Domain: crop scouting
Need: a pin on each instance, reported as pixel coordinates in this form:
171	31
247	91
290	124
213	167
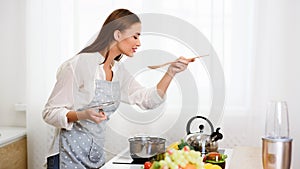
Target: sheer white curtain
263	67
275	65
49	41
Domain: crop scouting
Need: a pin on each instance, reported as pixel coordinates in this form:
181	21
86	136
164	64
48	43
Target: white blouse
75	88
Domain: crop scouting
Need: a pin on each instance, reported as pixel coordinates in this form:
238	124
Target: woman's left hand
179	65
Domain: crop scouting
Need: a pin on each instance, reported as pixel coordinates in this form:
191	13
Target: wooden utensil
165	64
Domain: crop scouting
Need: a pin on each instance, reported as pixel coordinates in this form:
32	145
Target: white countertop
11	134
124	157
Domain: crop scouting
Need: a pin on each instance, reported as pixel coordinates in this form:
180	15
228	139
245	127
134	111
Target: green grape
173	165
163	163
175	158
168	159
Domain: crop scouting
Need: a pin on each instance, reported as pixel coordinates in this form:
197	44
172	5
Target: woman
90	87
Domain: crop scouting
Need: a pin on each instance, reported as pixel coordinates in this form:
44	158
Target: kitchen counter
11	134
246	158
124	158
239	157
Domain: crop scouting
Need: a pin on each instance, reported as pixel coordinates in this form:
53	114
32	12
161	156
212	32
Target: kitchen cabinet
14	155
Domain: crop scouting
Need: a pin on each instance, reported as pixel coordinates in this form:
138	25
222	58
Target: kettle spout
215	136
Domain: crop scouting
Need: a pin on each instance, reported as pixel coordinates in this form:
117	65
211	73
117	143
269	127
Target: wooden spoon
165	64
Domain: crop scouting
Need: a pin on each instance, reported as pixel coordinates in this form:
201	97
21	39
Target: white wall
13	62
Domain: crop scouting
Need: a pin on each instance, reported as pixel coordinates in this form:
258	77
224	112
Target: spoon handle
192	59
165	64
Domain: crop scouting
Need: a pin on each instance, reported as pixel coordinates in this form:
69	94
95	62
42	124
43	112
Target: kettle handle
188	126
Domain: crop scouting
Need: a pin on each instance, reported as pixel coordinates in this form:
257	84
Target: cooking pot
145	147
201	141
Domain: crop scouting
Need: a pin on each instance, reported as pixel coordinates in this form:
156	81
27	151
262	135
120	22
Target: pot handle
188	126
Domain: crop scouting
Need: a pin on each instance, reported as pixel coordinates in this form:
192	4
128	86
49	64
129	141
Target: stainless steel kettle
200	141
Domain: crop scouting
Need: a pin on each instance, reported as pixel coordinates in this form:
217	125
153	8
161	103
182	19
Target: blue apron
83	146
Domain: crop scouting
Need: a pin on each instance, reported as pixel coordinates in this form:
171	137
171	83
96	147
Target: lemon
215	167
207	166
211	166
173	146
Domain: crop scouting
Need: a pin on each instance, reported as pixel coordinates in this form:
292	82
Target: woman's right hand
179	65
92	114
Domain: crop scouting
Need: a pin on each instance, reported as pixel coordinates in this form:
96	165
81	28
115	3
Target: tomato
170	152
147	165
186	148
204	158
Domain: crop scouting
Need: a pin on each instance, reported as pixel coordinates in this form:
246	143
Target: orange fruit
190	166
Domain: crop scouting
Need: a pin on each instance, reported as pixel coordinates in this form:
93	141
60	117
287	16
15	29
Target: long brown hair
119	19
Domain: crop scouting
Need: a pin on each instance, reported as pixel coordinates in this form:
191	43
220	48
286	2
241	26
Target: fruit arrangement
178	159
180	156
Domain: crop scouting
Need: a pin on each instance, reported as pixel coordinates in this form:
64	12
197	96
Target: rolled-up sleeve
61	99
132	92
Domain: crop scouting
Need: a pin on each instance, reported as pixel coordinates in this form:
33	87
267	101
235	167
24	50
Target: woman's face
129	40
